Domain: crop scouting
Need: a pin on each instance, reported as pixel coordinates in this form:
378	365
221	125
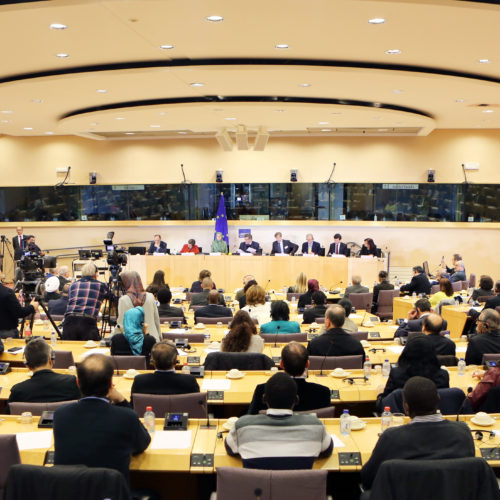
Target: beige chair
195	404
213	321
362	300
17	408
385	303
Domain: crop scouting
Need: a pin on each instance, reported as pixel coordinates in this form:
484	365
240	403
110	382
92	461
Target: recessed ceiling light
488	110
326	130
323	123
304	84
383	130
7	112
49	133
397	91
162	113
181	132
197	84
279	110
119	118
282	46
36	101
58	26
229	118
214	19
377	20
129	133
166	47
484	61
155	126
459	100
101	91
28	128
5	121
62	55
392	52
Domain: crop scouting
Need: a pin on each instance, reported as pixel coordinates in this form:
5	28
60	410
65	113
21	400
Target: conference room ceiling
334	74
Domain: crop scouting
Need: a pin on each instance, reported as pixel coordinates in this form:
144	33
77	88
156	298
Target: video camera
117	257
32	267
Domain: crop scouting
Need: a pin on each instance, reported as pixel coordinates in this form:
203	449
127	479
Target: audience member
213	309
59	306
494	301
369	248
157	283
418	284
318	310
356	287
242	336
416	316
257	307
300	284
459	274
306	298
445	292
349	326
164	307
337	247
487	340
242	301
241	291
485	288
280	315
432	326
64	277
190	247
219	245
11	311
451	270
295	362
487	380
383	284
196	286
279	439
310	246
51	286
201	299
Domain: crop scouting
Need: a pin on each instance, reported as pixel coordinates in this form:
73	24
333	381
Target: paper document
188	254
461	349
20	351
215	384
103	350
34	440
282	255
397	349
171	440
337	443
178	330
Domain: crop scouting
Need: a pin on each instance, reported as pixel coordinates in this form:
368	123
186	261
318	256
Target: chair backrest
244	484
57	317
327	412
193	338
362	300
225	320
188	296
17	408
194	308
9	456
241	360
447	360
491	356
457	286
444	302
434	289
164	319
465	285
472	280
359	335
127	362
386	298
289	296
193	403
283	338
492	402
483	298
332	362
63	359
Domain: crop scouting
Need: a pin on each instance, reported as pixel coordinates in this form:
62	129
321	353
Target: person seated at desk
369	248
445	292
310	247
487	340
416	317
459	274
164	307
45	386
337	247
335	341
427	437
134	341
196	285
213	309
487	380
300	284
417	359
279	439
157	246
219	245
419	283
349	326
280	315
100	430
242	301
64	277
485	288
190	247
494	301
59	306
306	298
201	299
164	380
249	246
451	270
51	289
283	246
356	287
383	284
256	305
318	299
432	326
295	362
241	291
242	336
157	283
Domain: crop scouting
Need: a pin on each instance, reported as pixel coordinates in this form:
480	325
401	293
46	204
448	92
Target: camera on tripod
117	257
32	267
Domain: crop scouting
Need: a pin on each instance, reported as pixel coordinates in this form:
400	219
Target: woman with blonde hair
242	336
257	307
300	284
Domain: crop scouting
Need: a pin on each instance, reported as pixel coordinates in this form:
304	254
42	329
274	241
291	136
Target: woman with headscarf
219	245
306	298
136	296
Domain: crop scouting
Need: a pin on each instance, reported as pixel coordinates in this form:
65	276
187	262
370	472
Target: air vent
150	134
364	131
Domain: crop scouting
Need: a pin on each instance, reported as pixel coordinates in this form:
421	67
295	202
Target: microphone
469	390
324	359
185	181
352	379
258	492
267	284
276	335
207	425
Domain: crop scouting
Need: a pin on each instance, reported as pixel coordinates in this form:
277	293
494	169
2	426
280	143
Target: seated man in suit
459	274
201	299
213	309
421	309
356	287
283	246
165	309
164	380
432	326
335	341
279	439
157	245
59	306
383	284
487	340
101	430
494	301
427	437
45	386
295	361
310	246
249	246
318	310
337	247
419	283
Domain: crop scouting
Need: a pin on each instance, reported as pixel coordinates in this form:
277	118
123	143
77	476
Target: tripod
115	291
40	301
5	244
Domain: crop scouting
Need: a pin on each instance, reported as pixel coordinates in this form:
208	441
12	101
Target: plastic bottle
53	339
149	419
386	368
206	337
386	420
367	368
345	423
185	368
27	329
461	367
414	295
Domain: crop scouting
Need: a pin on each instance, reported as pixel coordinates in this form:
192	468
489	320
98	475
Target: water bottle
386	420
53	339
206	338
461	367
149	419
345	423
386	368
46	326
414	295
367	368
457	303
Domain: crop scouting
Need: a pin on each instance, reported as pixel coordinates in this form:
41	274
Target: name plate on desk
350	458
215	253
202	460
282	255
215	395
193	360
490	453
188	254
308	255
338	256
374	335
334	394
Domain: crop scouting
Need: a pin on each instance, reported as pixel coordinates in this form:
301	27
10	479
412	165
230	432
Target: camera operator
11	310
32	247
84	302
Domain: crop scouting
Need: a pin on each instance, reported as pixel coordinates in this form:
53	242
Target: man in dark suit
318	310
494	301
249	246
295	361
101	430
383	284
19	243
310	246
428	437
432	326
419	283
44	386
11	310
213	309
59	306
488	339
164	296
164	380
201	299
335	341
416	318
32	247
337	247
283	246
157	245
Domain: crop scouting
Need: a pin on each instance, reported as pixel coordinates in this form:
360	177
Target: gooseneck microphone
276	335
469	390
207	424
324	359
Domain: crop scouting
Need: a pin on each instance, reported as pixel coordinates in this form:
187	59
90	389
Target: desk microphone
205	405
258	493
267	284
276	335
352	379
469	390
324	359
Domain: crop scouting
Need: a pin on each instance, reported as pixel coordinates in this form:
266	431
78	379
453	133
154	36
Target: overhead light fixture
261	139
281	46
49	133
487	110
484	61
58	26
129	133
242	138
28	128
214	19
304	84
224	140
377	20
101	91
323	123
62	55
230	118
197	84
155	126
392	52
166	47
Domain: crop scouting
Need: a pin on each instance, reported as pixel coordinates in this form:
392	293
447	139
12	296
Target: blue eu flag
221	220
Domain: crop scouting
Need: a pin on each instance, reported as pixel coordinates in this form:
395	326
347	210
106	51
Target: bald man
213	309
432	326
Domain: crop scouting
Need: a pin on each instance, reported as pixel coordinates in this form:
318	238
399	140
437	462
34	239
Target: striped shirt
279	440
85	297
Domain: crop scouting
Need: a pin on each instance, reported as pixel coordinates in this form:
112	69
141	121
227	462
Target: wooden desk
456	318
402	306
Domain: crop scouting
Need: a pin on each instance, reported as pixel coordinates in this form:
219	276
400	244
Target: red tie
20	242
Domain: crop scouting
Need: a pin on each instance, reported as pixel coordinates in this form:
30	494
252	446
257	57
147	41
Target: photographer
84	302
11	310
32	247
